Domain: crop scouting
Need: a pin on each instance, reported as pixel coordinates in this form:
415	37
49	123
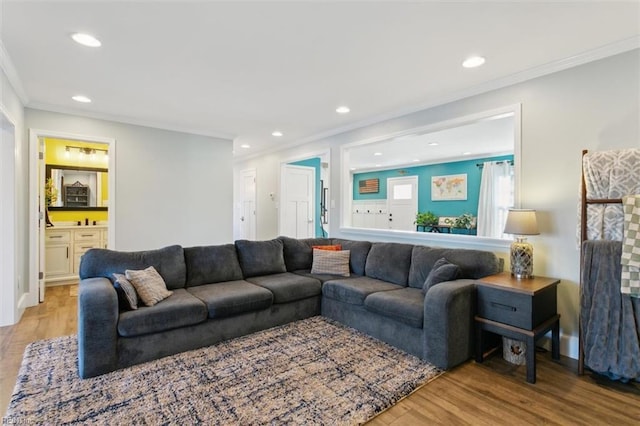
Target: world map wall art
449	187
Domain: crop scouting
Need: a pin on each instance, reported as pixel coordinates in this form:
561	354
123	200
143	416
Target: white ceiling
244	69
488	137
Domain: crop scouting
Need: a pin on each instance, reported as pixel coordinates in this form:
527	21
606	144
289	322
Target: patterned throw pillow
149	285
442	271
331	262
127	288
335	247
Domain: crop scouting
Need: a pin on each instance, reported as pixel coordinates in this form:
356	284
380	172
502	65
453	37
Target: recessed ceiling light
81	98
353	168
466	153
245	146
433	144
378	165
377	154
342	109
473	61
415	160
86	40
277	133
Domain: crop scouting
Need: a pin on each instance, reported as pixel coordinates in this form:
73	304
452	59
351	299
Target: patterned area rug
314	371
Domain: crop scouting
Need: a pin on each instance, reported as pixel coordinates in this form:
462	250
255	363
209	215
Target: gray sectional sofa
225	291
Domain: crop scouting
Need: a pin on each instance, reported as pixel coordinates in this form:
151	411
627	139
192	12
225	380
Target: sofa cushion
127	296
405	305
260	257
287	287
211	264
232	298
473	264
298	253
389	262
149	285
331	262
178	310
355	290
442	271
320	277
168	261
359	252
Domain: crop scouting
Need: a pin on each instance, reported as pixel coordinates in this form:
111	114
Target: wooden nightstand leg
555	340
531	359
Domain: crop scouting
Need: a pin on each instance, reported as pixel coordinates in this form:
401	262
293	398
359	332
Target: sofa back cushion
389	262
473	264
212	264
359	252
298	254
168	261
261	257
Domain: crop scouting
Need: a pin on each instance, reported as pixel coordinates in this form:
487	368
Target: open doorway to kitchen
72	178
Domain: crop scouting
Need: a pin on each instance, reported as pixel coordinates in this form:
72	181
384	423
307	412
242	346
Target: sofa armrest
97	327
449	308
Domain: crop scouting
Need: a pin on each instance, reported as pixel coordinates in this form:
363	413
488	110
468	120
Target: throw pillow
442	270
149	285
334	247
130	295
331	262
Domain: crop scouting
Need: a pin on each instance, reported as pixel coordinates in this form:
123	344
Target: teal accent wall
316	163
424	173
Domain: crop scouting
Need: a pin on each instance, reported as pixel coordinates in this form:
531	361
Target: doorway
95	150
297	212
247	204
402	202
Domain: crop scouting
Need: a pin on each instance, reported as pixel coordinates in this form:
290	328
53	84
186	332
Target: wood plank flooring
491	393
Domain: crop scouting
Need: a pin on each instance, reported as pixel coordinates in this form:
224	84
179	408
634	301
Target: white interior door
402	199
248	204
297	213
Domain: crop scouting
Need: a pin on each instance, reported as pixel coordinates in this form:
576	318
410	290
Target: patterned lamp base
521	258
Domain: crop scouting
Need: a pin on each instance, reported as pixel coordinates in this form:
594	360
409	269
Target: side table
518	309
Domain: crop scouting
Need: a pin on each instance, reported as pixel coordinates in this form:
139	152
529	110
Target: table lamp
521	222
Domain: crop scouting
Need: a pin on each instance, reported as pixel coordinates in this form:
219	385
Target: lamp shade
521	222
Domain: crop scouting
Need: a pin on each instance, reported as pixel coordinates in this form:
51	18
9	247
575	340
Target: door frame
36	201
242	173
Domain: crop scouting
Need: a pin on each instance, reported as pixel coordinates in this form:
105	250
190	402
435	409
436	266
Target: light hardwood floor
491	393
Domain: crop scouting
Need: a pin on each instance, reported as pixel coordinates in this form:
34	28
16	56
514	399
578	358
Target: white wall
171	187
593	106
13	283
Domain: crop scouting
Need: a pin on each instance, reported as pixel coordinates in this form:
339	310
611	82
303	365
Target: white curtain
496	197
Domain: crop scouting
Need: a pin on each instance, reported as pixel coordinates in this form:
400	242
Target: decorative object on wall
449	187
521	222
369	186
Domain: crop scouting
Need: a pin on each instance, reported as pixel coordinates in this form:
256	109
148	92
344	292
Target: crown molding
6	64
601	52
126	120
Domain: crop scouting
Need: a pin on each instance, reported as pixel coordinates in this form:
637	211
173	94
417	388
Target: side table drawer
517	309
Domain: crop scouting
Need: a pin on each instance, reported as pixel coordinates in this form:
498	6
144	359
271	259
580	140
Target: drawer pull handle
55	236
84	248
501	306
87	235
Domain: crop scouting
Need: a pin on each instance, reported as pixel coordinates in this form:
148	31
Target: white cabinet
64	247
57	249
